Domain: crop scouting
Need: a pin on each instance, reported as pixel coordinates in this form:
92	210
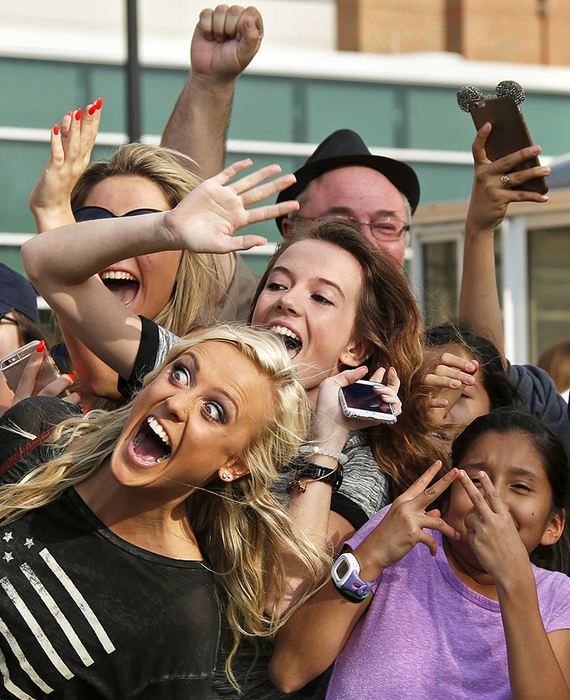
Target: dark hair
495	380
388	320
554	461
29	329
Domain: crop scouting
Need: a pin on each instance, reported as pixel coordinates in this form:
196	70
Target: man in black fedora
343	179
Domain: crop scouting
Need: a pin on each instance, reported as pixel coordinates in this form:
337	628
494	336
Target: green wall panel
22	164
263	109
159	92
37	93
435	120
548	117
443	182
370	110
109	82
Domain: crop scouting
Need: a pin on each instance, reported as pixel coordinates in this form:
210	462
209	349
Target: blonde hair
196	286
240	527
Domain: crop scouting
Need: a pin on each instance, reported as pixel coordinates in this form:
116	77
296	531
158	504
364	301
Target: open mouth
292	341
122	284
151	444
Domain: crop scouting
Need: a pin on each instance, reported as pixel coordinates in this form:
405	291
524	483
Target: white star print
7	556
29	542
8	536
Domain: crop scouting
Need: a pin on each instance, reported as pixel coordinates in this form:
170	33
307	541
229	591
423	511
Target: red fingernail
85	409
78	115
71	376
99	103
78	393
91	110
41	346
56	130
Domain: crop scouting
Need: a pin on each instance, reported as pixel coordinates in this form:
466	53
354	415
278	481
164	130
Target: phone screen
362	397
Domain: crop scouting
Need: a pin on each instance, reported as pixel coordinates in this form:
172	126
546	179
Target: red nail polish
41	346
78	393
91	110
71	376
69	114
56	130
78	115
85	410
99	103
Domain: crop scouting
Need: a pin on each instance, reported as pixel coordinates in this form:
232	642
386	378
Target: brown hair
556	361
388	320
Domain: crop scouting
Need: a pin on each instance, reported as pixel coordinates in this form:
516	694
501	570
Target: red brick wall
389	26
521	31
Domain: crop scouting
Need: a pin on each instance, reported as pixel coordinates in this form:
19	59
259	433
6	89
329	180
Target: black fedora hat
345	147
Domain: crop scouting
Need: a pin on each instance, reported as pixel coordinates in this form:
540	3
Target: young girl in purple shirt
467	615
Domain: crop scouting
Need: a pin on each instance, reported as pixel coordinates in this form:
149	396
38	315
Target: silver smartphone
359	400
13	364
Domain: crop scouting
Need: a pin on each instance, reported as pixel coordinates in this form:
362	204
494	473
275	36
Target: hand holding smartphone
13	365
359	400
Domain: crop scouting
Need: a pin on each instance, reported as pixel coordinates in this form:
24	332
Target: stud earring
226	476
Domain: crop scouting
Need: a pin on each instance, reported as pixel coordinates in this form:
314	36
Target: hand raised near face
491	530
225	41
445	383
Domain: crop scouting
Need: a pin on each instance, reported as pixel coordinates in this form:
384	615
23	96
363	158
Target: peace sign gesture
490	529
206	219
403	526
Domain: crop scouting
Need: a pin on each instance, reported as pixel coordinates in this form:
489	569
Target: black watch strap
315	472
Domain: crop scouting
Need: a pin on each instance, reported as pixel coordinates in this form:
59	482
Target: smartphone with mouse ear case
509	134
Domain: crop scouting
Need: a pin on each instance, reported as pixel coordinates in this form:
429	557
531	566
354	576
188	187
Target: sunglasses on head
93	213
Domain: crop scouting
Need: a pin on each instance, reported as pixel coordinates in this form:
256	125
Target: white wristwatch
345	575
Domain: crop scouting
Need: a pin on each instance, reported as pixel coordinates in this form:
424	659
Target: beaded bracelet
341	458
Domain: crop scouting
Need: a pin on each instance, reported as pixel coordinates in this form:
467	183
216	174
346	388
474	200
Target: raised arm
224	42
63	264
479	299
71	144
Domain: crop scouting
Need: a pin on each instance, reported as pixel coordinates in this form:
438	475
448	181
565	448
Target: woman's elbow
284	676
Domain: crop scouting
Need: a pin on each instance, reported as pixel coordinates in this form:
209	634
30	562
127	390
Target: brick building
519	31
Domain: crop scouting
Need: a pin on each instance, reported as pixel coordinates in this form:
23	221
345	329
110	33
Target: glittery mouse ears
506	88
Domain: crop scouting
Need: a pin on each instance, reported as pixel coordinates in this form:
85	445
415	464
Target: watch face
342	569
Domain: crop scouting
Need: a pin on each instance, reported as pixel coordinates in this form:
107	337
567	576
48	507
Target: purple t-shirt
426	634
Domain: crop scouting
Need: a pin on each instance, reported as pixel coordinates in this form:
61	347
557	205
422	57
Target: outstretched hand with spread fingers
71	146
206	219
490	196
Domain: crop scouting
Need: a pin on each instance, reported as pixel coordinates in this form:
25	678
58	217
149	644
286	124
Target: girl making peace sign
474	619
